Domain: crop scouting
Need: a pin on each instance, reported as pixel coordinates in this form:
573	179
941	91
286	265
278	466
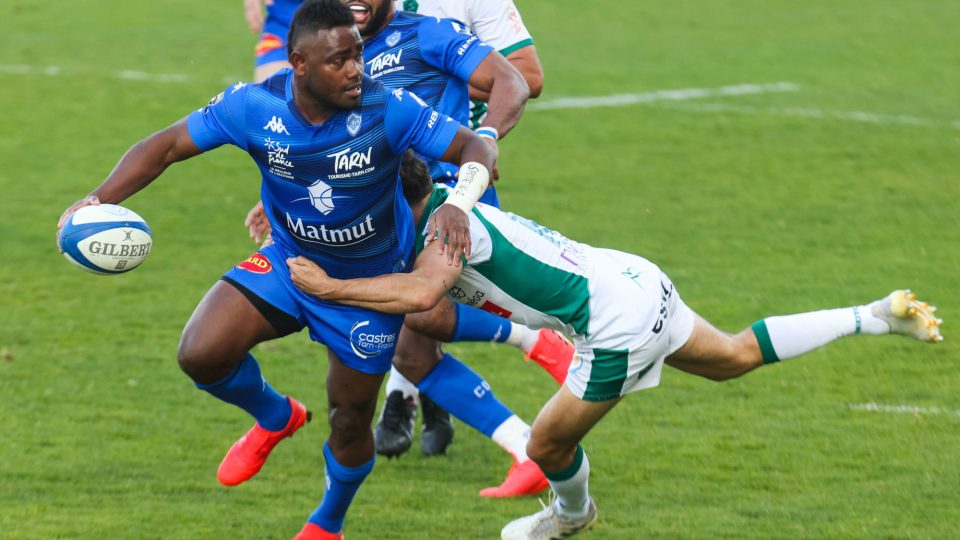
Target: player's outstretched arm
142	163
420	290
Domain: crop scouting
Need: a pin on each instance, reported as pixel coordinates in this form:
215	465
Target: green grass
751	214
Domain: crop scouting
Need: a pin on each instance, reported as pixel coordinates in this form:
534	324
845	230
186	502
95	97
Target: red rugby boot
553	352
311	531
247	456
522	479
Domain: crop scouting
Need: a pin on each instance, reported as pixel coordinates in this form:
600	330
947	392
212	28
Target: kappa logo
353	123
393	39
276	125
399	93
366	344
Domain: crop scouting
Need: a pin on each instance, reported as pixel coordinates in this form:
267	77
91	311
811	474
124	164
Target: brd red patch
257	263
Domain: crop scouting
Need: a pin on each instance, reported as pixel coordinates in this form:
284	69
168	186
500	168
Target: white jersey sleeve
496	22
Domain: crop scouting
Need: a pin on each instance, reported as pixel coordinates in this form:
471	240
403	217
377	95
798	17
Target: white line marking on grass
126	74
819	114
682	94
902	409
152	77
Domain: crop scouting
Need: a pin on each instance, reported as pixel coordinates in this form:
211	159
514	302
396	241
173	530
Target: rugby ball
105	239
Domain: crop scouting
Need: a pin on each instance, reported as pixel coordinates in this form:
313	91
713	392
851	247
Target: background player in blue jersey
439	59
328	142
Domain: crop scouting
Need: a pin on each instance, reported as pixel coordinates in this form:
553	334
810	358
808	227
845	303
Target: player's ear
297	61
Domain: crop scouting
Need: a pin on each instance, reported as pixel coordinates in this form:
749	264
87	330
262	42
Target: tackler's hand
308	276
450	226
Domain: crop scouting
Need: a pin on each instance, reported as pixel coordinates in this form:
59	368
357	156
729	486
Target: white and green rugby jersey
521	270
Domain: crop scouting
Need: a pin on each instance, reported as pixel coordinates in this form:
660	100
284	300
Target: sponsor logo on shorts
490	307
665	293
366	342
269	42
257	263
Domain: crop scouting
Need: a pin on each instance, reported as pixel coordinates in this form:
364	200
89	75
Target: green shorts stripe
607	373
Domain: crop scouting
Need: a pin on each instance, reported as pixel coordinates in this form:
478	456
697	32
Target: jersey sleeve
221	121
411	123
498	23
449	45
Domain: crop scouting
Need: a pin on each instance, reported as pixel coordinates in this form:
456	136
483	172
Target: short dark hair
315	15
415	178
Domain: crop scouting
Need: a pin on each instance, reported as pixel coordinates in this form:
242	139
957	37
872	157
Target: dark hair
415	177
315	15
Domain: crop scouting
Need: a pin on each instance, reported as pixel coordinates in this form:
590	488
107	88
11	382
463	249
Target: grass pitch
833	193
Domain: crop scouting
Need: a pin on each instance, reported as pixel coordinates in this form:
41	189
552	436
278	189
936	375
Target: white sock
522	337
790	336
396	381
512	435
570	486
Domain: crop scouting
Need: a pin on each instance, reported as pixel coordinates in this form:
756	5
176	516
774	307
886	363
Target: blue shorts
272	45
362	339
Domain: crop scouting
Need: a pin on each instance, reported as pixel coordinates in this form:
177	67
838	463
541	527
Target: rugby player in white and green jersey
623	313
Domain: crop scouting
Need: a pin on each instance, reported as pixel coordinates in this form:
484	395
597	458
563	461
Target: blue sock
342	484
477	325
462	392
246	388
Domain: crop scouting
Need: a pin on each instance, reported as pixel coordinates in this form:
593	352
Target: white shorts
637	319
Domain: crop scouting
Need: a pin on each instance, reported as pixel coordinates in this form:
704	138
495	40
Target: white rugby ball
106	239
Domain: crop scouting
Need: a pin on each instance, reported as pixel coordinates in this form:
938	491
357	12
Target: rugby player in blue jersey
328	142
439	60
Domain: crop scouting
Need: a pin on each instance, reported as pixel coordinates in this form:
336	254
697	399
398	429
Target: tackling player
626	317
328	142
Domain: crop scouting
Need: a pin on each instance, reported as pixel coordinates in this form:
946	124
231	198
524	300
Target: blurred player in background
328	142
626	316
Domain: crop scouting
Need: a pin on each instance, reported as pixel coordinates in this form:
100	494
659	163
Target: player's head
370	15
415	178
326	53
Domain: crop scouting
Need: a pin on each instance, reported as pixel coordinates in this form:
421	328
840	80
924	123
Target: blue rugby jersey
332	191
431	57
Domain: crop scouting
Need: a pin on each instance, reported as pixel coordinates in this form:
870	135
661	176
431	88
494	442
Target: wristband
487	131
471	184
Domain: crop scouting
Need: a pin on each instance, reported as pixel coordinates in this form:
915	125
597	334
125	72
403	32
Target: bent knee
349	423
204	361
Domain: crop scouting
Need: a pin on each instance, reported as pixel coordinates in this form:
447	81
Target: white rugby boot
908	316
548	524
